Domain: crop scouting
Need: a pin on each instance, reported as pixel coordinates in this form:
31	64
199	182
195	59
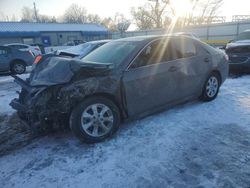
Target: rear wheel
95	119
18	67
211	87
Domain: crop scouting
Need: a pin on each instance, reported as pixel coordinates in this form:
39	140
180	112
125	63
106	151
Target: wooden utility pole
35	12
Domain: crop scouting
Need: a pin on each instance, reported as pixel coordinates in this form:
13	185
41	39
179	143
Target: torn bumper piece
18	106
22	83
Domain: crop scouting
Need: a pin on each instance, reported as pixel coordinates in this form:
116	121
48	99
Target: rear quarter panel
219	63
24	56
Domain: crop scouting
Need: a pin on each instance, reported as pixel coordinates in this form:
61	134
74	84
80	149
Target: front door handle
172	69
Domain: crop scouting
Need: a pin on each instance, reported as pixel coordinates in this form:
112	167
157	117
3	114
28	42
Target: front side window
157	52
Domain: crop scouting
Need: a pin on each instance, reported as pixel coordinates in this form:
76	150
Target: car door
4	59
193	63
151	80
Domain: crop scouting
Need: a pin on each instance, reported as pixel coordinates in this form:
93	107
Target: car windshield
113	52
243	36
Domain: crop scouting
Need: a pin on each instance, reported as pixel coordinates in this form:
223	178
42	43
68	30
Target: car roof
16	44
151	37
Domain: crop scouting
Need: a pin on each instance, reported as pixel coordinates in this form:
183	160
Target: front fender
71	94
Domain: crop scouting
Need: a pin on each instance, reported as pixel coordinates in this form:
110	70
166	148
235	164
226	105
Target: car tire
211	87
95	119
18	67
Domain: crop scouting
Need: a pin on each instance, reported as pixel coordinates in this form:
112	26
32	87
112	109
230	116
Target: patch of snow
192	145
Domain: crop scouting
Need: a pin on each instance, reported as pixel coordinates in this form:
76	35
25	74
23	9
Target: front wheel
211	87
95	119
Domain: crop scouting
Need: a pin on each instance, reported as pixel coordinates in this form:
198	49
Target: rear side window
157	52
18	47
183	48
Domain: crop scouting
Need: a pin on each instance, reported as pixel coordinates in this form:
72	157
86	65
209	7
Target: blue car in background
81	50
15	60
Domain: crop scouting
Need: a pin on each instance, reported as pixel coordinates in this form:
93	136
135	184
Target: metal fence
214	34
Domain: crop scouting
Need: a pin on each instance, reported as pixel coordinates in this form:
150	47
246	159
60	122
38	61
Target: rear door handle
206	60
172	69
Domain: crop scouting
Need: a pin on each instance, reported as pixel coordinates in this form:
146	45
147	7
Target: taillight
37	59
226	57
31	53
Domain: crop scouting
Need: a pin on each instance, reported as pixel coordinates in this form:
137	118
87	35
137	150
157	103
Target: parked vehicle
25	47
123	79
81	50
14	60
41	46
74	43
238	52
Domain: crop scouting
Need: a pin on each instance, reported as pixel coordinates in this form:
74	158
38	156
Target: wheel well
218	73
17	60
110	97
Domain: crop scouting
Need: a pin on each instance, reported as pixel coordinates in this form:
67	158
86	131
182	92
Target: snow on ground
7	92
193	145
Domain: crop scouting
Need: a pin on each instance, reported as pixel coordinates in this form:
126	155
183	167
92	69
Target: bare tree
109	24
5	18
75	14
203	12
160	13
116	23
47	19
27	15
141	19
94	18
152	15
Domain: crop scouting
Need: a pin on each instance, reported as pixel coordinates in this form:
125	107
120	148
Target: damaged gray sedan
124	79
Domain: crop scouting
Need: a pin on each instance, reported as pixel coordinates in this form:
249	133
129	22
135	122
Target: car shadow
5	74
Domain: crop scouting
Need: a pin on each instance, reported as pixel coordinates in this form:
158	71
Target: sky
104	8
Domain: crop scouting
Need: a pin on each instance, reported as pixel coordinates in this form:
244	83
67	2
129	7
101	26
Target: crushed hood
58	70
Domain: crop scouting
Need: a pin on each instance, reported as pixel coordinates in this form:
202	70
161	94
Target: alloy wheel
212	86
97	120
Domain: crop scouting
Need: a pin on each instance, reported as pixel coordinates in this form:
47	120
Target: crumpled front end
37	103
38	106
54	87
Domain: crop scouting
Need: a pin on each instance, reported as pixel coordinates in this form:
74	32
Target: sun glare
181	7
